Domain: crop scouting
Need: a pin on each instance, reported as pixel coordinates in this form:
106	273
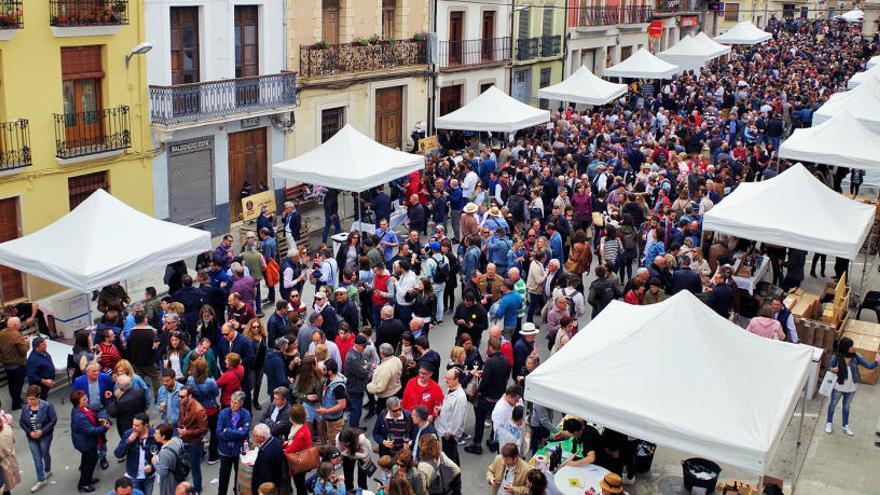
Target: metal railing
666	6
527	48
466	53
87	133
15	145
609	16
11	14
77	13
551	45
326	60
218	99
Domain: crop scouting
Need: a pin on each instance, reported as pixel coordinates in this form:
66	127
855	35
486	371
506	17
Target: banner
655	29
429	144
251	205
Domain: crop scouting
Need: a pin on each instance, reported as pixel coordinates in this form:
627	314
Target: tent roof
688	53
493	111
583	87
863	102
841	140
677	374
642	65
854	15
744	33
806	214
860	77
875	60
113	242
704	39
349	161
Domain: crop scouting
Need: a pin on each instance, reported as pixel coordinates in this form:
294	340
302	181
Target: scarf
93	418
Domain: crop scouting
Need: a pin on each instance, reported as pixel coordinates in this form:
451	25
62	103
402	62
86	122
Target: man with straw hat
611	484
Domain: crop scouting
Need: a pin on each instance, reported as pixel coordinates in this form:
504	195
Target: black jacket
124	408
686	279
270	466
496	371
281	426
721	300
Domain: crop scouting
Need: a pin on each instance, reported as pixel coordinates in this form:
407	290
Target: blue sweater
39	367
508	308
232	437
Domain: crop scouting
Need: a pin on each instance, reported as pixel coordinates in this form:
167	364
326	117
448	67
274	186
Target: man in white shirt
453	412
513	431
469	183
503	410
333	351
406	282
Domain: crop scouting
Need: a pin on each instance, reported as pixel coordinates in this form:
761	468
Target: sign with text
429	144
251	205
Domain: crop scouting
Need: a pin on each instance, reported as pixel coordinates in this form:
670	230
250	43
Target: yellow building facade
538	47
358	62
73	116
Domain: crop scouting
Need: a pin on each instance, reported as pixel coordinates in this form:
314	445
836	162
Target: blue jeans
832	405
42	455
194	451
145	485
438	291
327	221
536	302
356	401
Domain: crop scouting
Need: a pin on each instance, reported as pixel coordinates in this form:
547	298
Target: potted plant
419	37
374	39
361	41
119	7
320	45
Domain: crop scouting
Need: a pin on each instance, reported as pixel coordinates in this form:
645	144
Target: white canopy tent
688	53
873	61
860	77
113	242
656	373
744	33
718	48
863	102
349	161
642	65
583	87
493	111
854	15
841	140
817	219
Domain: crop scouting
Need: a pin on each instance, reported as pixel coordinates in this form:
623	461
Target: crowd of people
508	243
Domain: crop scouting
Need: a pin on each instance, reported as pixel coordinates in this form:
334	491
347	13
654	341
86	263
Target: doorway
248	168
389	116
13	287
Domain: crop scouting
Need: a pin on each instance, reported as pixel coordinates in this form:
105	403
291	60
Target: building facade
538	40
677	18
221	105
473	51
602	33
358	62
73	117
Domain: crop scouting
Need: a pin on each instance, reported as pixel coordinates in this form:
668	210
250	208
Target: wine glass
154	449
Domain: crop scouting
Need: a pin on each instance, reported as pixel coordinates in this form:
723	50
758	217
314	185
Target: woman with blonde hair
406	470
124	367
256	333
431	456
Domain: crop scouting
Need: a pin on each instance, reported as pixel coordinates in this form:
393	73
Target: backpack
571	307
441	271
441	480
181	466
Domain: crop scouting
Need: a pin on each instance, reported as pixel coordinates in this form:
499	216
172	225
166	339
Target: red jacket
229	383
507	352
415	394
301	440
344	346
632	298
380	283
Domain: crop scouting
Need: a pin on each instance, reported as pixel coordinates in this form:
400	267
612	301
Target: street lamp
140	49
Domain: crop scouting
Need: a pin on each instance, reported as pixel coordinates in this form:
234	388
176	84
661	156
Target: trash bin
338	240
643	457
701	473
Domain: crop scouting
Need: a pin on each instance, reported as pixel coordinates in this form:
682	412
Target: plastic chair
872	302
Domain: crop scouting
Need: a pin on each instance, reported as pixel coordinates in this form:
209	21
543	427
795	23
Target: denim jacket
854	366
46	418
171	401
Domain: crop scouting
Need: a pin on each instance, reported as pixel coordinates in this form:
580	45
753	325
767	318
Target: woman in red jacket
230	381
300	439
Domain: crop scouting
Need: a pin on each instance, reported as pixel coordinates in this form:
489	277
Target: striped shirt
612	248
520	288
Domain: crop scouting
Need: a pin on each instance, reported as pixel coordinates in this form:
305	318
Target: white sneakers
38	485
828	428
846	429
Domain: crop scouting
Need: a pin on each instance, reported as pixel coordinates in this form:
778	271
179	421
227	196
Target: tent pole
360	218
798	444
864	270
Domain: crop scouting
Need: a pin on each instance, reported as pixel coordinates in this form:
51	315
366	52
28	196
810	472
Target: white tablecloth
750	282
59	352
589	476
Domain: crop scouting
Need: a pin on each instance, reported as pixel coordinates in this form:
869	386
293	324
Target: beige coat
8	461
536	278
386	378
496	471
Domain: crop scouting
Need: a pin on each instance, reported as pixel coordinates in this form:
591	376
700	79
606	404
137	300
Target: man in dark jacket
135	442
357	373
393	426
142	342
125	403
389	329
192	299
603	290
277	324
346	308
273	367
658	269
686	279
416	215
493	382
721	297
40	369
276	416
271	465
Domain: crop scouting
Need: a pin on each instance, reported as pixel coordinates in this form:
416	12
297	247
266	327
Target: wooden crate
834	313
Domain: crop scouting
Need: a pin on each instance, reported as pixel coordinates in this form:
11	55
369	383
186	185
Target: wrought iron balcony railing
218	99
15	145
609	16
551	45
79	13
11	14
327	60
666	6
455	54
87	133
527	48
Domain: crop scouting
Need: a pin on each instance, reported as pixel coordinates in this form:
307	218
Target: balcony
83	13
222	100
322	60
666	6
461	54
15	145
11	17
551	46
527	48
83	134
610	16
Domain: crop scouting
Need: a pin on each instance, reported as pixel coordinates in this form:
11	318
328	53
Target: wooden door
82	74
330	21
184	45
389	18
247	55
389	116
456	26
488	35
13	286
248	167
450	99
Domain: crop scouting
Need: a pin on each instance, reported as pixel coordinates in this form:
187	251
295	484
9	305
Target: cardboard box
862	327
805	306
868	346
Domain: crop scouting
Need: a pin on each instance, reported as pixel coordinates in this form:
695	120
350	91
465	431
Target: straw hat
494	211
470	208
612	483
529	329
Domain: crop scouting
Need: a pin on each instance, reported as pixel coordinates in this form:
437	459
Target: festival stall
493	111
717	48
824	143
583	87
859	77
655	373
744	33
863	102
689	54
642	65
873	62
852	16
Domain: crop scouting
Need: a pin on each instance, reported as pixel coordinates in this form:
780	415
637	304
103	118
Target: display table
749	283
571	480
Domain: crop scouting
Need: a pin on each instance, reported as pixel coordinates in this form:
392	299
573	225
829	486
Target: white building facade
602	34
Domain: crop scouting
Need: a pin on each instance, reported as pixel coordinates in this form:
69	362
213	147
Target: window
247	49
731	12
81	187
488	35
625	52
389	15
485	87
81	74
450	99
546	72
456	26
547	21
332	120
523	27
184	45
330	21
